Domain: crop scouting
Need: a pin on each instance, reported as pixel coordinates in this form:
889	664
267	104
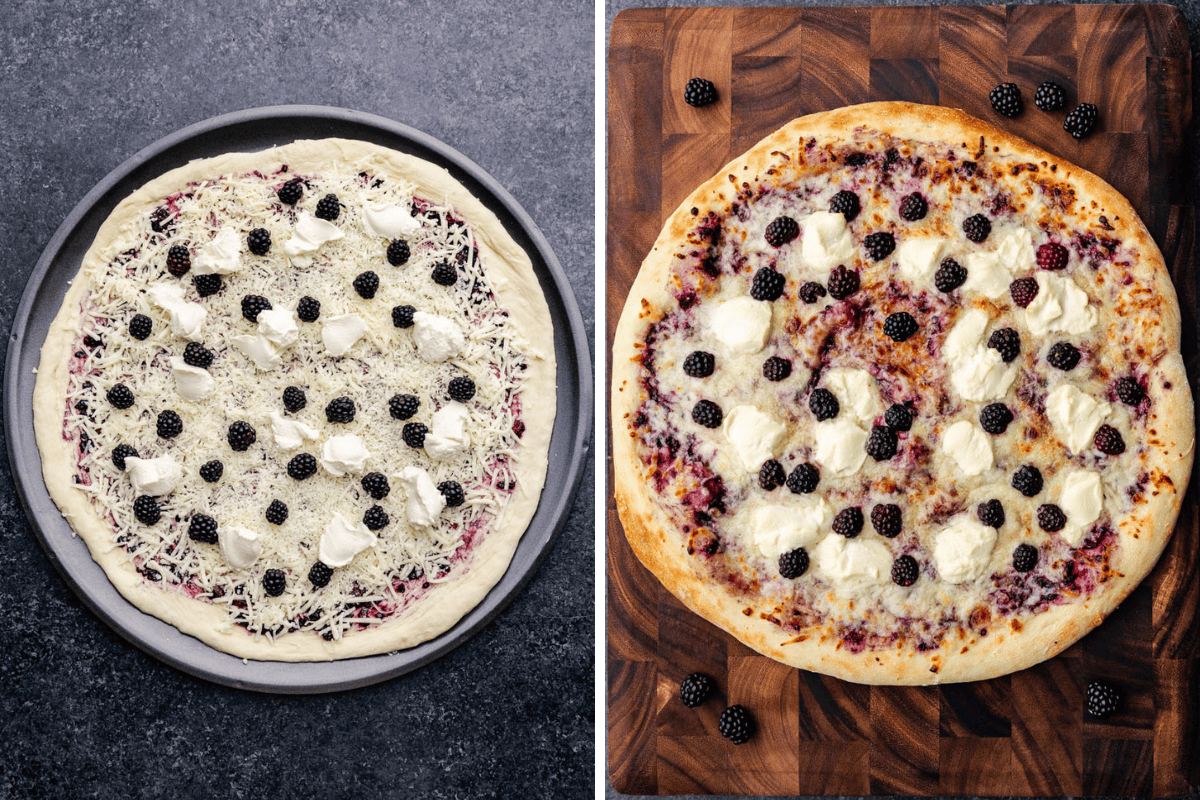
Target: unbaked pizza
899	398
298	402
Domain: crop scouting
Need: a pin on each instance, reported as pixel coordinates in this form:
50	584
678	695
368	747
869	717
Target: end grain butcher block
1023	734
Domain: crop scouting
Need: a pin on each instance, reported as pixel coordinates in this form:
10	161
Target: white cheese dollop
856	392
221	256
755	435
153	476
423	501
186	318
437	338
1082	500
919	259
344	455
389	221
852	561
779	529
192	383
1060	306
741	324
969	447
340	333
240	546
1015	250
308	236
289	433
259	350
841	446
341	541
977	372
826	242
962	550
986	274
1075	416
447	436
279	327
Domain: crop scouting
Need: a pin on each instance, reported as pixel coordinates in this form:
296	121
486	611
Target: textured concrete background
86	85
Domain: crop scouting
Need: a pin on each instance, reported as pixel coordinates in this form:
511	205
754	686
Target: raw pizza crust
517	289
660	545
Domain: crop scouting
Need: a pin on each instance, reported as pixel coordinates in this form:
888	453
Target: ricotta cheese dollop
447	436
339	333
918	259
1081	500
342	541
779	529
423	501
1060	306
344	455
437	338
856	391
186	318
826	242
852	561
279	327
153	476
240	546
308	236
969	447
192	383
261	351
1075	416
741	324
962	550
977	372
290	433
755	435
389	221
220	256
841	446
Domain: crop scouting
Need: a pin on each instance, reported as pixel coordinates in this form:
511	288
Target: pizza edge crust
511	273
658	545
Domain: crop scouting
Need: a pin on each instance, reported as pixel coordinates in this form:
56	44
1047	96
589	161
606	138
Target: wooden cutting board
1023	734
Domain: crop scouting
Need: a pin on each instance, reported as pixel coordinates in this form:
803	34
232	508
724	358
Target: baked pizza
298	402
898	397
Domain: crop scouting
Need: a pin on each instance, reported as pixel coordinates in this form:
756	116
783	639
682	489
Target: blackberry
1129	391
1006	100
120	396
776	369
879	245
160	220
905	571
1023	290
991	513
294	399
699	92
736	724
398	253
319	574
1027	480
414	435
308	309
241	435
1081	120
403	406
1025	557
259	241
842	282
770	475
211	471
453	492
277	512
1049	96
1108	440
1053	256
848	522
994	418
811	291
340	410
804	479
461	389
695	689
179	260
169	424
913	207
197	355
881	445
898	417
274	582
376	518
977	228
366	285
140	327
1102	700
444	274
1063	355
949	276
290	193
120	453
1051	518
207	285
899	326
145	508
793	563
767	284
823	404
329	207
253	305
92	341
402	316
707	413
202	528
845	203
302	466
699	364
781	231
376	485
887	520
1007	342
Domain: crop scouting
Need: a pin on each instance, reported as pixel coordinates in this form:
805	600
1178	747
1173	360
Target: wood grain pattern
1021	735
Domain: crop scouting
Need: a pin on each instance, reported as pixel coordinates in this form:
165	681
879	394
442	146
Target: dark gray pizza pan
252	130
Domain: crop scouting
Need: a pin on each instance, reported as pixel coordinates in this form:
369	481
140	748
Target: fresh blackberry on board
211	471
258	241
461	389
140	327
1027	480
793	563
949	276
776	369
1051	518
1108	440
842	282
1023	291
881	444
845	203
804	479
695	689
319	574
810	292
197	355
376	518
781	231
699	364
848	522
120	453
294	399
414	435
1052	256
398	253
1129	391
1102	700
403	406
823	404
1025	557
767	284
770	475
169	424
308	309
376	485
241	435
898	417
145	508
1007	342
900	326
887	520
977	227
290	193
444	274
1006	100
274	582
991	513
340	410
329	207
913	207
453	492
1081	121
879	245
700	92
366	284
736	724
207	285
707	413
302	466
1049	96
120	396
253	305
402	316
995	418
277	512
202	528
179	260
905	571
1063	355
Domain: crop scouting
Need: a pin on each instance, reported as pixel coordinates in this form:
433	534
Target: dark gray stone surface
88	84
